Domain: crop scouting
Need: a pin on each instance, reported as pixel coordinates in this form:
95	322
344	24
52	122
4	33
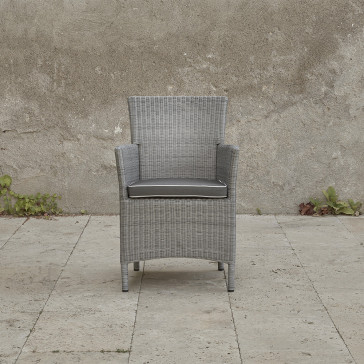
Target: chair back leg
220	265
124	277
231	277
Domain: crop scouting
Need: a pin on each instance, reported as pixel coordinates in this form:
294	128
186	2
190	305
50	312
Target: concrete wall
293	71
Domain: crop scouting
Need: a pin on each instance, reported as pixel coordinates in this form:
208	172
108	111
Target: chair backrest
177	135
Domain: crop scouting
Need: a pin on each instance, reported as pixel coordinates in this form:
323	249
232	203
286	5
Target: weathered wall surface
293	71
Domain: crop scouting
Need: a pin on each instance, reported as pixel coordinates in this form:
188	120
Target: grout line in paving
14	232
314	288
136	313
233	319
52	290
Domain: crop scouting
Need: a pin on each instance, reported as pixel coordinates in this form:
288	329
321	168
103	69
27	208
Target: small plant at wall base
12	203
332	205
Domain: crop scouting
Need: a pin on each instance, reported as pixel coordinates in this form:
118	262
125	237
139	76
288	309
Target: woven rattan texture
171	143
194	228
127	164
177	136
227	167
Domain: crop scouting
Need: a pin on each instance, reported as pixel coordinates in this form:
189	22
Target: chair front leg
231	277
124	277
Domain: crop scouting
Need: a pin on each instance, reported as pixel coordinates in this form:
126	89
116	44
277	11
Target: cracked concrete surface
292	70
298	299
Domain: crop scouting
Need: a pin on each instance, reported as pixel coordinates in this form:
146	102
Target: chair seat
178	188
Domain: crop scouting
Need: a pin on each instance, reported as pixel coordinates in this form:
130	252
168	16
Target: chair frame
152	228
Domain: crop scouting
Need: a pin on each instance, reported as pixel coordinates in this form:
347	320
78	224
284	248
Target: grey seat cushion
178	187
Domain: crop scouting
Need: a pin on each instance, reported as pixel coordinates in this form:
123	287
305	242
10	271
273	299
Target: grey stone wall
293	71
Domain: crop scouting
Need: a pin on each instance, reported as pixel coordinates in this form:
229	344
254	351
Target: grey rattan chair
177	183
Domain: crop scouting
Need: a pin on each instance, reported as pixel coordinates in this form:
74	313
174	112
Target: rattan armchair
177	183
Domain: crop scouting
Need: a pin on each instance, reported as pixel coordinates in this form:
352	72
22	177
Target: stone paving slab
278	316
332	256
253	224
31	262
334	268
298	298
8	227
313	336
294	357
87	357
33	258
346	307
87	310
184	315
355	226
15	327
308	231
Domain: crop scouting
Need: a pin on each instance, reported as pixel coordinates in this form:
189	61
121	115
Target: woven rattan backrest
177	135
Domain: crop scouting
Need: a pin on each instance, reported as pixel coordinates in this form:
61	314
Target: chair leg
231	277
136	266
124	277
220	266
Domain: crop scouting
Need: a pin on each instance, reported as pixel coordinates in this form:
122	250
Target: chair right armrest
127	164
227	166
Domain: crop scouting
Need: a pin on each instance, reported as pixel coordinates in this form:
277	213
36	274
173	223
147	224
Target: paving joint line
314	288
136	313
233	319
52	290
14	232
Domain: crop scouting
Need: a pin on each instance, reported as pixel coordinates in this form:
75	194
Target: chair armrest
227	166
127	164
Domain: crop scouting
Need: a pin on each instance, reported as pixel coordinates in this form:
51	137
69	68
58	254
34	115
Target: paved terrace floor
299	296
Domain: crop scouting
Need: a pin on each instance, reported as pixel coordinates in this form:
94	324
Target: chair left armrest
227	158
127	163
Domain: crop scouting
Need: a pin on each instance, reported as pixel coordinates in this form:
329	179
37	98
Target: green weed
12	203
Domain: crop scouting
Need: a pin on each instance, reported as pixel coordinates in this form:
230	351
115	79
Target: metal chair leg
231	277
124	277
